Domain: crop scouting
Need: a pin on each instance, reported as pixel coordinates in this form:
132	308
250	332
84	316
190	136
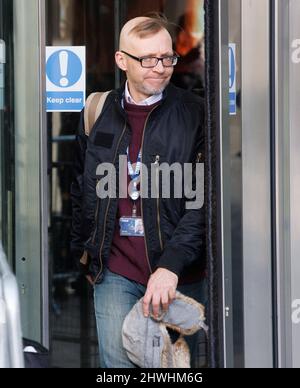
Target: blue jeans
114	297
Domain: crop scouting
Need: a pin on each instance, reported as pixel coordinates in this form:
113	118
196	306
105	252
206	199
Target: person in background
189	74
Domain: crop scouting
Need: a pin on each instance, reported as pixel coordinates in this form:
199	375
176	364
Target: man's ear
120	61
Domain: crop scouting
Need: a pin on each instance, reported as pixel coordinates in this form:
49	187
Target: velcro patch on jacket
104	139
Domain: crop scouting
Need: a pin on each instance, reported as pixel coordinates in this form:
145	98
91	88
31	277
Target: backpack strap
93	108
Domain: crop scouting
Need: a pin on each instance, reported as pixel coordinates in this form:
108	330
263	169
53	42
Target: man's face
145	82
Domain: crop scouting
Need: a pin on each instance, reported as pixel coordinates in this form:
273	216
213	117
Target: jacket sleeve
77	243
187	243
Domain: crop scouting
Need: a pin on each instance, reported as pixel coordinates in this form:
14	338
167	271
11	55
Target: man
149	121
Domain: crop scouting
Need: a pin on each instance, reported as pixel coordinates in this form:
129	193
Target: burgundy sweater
128	254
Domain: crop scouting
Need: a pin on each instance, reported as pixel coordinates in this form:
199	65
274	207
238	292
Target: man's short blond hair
151	26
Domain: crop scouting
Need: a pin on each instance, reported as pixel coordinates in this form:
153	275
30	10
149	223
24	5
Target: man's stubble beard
152	92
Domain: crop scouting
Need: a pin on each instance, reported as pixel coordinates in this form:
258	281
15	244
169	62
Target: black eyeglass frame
140	59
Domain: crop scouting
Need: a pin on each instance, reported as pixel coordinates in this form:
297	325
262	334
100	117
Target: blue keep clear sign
65	79
232	79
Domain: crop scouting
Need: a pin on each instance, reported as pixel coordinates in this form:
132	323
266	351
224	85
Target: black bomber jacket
173	133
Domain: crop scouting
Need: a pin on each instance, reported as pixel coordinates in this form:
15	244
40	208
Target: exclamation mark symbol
63	62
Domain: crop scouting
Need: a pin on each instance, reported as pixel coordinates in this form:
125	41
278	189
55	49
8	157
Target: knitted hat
147	340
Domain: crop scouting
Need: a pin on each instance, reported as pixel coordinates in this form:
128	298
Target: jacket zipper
157	158
142	206
96	217
107	208
199	156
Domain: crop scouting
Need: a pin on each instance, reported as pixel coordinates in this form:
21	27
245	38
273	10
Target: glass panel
96	25
76	23
235	128
246	221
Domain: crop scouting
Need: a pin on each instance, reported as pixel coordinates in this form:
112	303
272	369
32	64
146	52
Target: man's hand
160	290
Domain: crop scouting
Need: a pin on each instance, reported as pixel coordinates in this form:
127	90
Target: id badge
131	227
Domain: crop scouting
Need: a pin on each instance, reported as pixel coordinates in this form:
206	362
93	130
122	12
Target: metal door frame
31	258
287	189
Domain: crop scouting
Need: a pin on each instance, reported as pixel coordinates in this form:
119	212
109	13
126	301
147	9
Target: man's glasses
150	62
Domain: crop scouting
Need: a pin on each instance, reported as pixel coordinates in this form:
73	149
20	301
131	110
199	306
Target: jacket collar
170	94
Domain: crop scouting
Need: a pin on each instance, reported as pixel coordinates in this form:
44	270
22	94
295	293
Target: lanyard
134	174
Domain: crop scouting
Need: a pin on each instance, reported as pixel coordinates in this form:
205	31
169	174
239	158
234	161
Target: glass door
246	289
96	25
